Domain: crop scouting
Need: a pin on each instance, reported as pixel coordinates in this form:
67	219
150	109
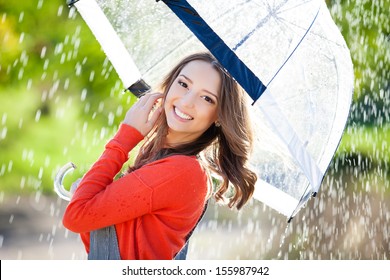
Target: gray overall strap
182	254
104	244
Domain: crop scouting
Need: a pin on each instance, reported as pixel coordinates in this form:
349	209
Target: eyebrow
213	94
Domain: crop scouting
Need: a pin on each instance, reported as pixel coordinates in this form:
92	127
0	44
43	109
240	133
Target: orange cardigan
152	208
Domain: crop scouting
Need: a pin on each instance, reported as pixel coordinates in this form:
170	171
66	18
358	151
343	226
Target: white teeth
182	115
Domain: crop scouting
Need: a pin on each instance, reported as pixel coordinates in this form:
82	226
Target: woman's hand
140	115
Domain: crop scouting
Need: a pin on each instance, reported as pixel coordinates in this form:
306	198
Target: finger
155	116
142	100
152	100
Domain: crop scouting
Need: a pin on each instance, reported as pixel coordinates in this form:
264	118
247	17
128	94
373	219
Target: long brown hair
223	149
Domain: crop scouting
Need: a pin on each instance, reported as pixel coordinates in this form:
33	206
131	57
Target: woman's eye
183	84
208	99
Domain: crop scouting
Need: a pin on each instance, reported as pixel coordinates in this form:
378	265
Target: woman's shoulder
176	175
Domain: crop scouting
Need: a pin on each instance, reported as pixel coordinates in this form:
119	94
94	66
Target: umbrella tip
139	88
71	2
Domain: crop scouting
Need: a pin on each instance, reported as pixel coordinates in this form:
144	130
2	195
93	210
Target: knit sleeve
177	183
90	197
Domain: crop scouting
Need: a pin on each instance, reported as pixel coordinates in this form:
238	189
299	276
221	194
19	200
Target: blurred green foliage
365	25
60	98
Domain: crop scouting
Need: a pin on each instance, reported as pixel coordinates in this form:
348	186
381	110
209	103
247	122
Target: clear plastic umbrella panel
289	56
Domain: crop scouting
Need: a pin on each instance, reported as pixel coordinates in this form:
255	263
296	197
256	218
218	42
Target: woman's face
192	101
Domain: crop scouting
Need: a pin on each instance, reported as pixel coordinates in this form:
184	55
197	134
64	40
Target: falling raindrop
83	95
40	4
21	38
38	115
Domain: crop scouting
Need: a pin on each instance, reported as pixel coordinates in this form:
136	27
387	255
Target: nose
188	99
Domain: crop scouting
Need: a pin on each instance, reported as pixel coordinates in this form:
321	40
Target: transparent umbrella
289	57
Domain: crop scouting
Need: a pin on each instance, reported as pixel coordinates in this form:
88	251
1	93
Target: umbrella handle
58	186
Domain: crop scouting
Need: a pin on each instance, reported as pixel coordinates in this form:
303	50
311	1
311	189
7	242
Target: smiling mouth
182	115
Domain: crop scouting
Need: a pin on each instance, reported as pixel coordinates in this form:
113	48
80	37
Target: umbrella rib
272	12
300	41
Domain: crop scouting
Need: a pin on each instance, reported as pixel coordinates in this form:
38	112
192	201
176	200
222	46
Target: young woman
197	126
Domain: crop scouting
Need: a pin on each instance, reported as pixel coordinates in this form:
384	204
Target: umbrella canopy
289	57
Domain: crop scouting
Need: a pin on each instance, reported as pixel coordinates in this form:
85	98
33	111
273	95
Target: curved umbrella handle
58	187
